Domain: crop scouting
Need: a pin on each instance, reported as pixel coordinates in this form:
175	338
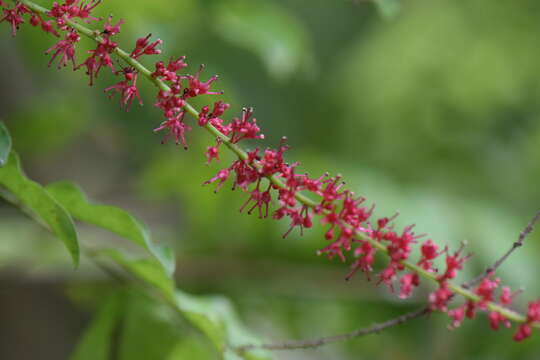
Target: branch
314	343
274	179
491	269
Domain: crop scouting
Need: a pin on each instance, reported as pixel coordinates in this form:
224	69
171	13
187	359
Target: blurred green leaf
213	315
388	9
191	348
201	312
270	31
5	144
148	270
31	196
156	339
97	339
111	218
216	317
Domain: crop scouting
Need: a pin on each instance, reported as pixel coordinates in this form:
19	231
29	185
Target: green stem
241	154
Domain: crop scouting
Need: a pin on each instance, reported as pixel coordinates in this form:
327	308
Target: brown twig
491	269
313	343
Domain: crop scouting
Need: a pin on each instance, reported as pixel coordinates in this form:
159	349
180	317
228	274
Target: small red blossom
457	315
170	103
46	26
454	263
485	290
366	256
176	127
14	16
260	199
72	9
429	252
143	47
85	9
523	332
470	309
439	298
221	177
495	318
387	276
99	58
408	282
127	88
300	217
169	72
109	29
245	174
197	87
533	316
65	48
213	152
506	296
244	128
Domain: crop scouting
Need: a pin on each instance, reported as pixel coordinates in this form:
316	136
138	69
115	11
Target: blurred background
429	108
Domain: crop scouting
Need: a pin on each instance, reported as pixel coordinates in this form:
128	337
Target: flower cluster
351	228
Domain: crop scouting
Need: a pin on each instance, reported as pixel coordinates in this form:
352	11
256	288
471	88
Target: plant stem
241	154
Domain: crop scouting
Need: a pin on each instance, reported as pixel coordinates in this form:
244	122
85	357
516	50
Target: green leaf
33	198
213	315
201	312
148	270
193	348
5	144
97	339
111	218
156	339
270	31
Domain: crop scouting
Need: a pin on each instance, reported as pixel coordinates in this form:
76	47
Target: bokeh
427	108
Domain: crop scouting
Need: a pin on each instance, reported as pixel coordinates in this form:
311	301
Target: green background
429	108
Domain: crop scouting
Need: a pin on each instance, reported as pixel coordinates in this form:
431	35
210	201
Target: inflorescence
265	175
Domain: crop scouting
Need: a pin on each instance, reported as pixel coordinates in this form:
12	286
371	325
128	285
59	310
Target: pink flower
212	153
408	282
109	29
65	48
197	87
439	298
176	128
14	16
523	332
127	88
429	252
244	128
453	263
143	47
221	177
457	315
495	318
485	290
260	200
99	57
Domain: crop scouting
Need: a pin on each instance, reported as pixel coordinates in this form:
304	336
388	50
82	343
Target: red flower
439	298
14	16
408	282
142	47
176	127
197	87
66	49
127	88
